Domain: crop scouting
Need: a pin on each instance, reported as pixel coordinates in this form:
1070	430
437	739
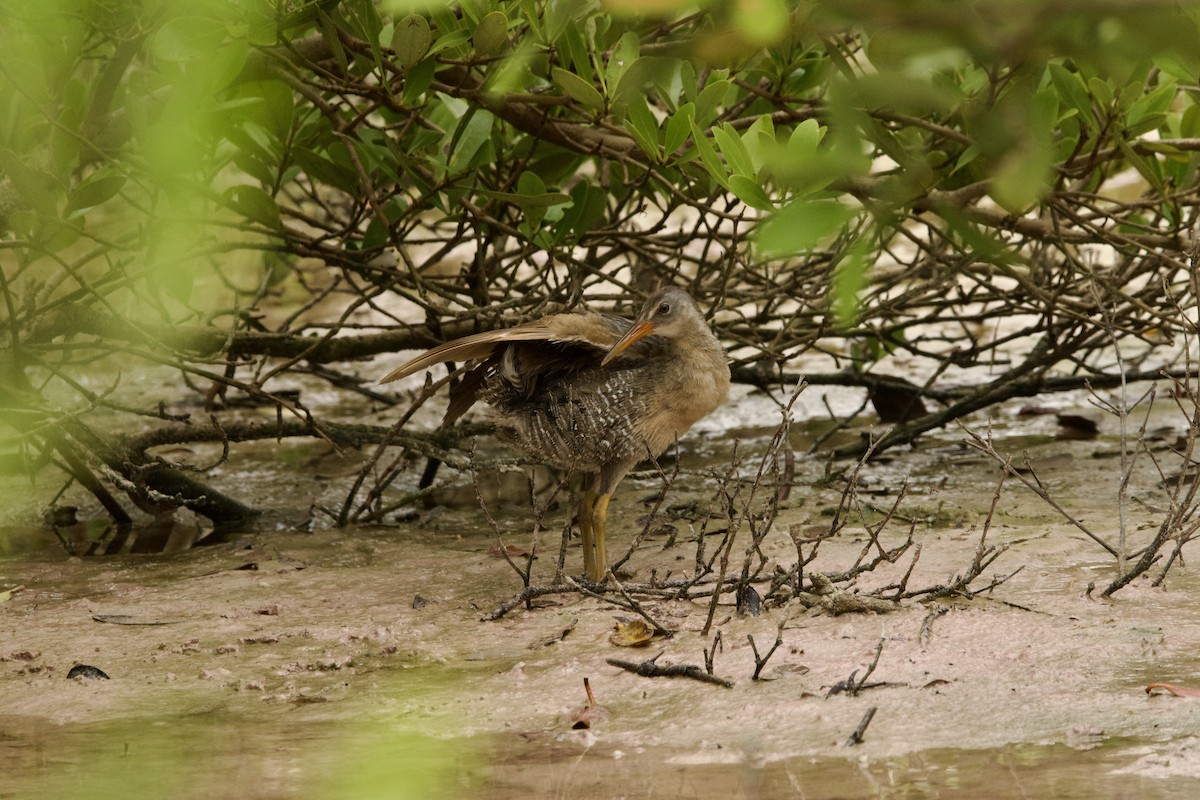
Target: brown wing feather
469	348
464	393
588	328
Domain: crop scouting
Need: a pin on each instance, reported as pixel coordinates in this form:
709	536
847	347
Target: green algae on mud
221	754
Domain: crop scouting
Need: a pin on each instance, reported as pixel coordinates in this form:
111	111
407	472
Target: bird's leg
599	562
584	515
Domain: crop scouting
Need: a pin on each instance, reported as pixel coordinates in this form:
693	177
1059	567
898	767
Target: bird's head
669	312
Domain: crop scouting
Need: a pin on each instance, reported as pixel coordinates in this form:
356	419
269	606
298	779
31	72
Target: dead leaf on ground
1071	426
897	401
513	551
783	671
129	619
1184	477
749	601
1077	426
87	671
1173	690
270	565
555	638
264	638
590	713
631	632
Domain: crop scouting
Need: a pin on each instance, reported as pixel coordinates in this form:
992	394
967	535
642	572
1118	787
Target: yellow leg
584	515
598	566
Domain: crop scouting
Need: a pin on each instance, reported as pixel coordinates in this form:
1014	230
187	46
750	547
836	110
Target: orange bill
638	331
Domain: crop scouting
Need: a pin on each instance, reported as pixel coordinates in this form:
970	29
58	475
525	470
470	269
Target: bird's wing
598	331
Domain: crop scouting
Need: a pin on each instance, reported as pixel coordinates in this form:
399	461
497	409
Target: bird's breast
685	394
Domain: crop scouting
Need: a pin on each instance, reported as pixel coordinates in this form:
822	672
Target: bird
591	393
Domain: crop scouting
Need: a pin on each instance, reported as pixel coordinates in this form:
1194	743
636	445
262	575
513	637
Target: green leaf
1151	106
1148	168
1166	148
556	165
273	108
1071	88
473	130
251	163
188	38
800	226
712	96
93	191
760	142
411	40
491	34
1022	177
260	26
750	192
366	24
849	278
557	17
376	234
452	40
587	208
679	127
575	47
417	81
531	186
513	73
734	150
641	122
35	188
64	136
805	139
324	168
708	156
621	58
330	33
761	22
538	198
578	89
256	205
474	10
1102	90
442	18
687	80
644	70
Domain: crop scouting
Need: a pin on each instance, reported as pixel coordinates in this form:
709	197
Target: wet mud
298	660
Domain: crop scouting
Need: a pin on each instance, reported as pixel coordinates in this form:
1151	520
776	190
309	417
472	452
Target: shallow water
303	753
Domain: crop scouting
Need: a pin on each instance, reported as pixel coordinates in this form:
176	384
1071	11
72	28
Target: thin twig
856	737
761	661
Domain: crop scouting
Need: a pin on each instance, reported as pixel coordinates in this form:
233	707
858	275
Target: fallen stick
651	669
857	736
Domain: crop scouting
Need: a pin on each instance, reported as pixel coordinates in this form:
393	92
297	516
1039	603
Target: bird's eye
665	308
